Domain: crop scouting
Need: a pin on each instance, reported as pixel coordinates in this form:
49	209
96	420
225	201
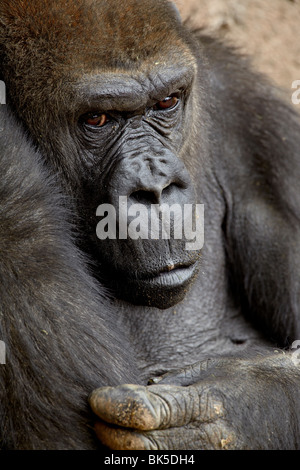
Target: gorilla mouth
170	276
161	289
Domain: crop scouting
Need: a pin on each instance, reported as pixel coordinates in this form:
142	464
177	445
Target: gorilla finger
156	407
119	439
129	406
210	436
125	439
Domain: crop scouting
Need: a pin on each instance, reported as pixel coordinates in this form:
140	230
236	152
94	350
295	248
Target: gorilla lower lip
174	277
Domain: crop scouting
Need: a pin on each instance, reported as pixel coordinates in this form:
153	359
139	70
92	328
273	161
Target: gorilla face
120	126
134	132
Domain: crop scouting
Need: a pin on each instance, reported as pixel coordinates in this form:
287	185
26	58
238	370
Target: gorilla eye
96	120
168	103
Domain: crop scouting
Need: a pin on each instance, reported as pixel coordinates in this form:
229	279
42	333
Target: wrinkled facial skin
119	127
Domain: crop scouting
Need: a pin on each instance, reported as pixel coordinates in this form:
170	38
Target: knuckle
218	436
212	404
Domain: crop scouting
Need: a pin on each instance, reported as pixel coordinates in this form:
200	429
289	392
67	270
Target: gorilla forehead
88	31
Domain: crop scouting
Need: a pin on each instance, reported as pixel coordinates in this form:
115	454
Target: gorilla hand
225	403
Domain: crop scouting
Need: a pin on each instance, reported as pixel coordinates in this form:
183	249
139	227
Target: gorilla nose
151	179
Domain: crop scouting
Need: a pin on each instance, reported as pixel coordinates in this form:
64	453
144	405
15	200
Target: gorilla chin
162	289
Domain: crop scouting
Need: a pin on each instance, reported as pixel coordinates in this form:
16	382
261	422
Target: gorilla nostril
144	197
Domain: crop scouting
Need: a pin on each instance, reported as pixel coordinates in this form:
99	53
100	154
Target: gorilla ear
178	15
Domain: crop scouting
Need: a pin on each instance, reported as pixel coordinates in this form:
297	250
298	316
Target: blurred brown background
268	30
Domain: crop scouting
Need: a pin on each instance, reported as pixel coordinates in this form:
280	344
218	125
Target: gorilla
133	342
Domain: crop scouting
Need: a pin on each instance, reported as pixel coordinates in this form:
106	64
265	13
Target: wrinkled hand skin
224	403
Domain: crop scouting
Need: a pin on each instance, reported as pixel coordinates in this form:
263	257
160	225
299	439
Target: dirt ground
268	30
